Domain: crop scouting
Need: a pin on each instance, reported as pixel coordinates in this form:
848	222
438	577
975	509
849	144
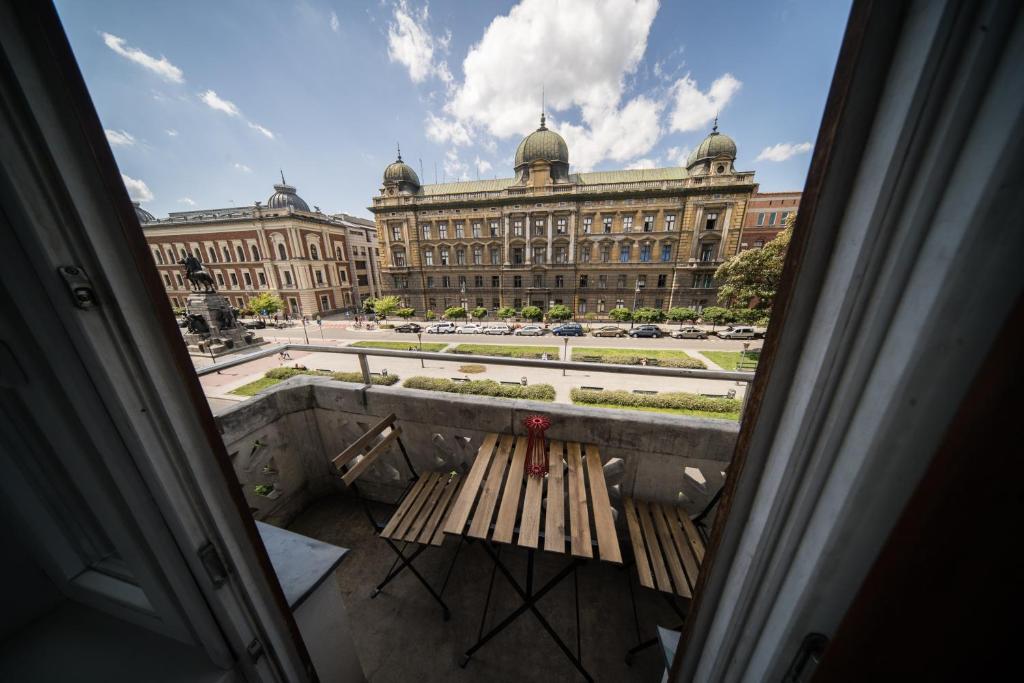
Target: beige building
305	257
591	241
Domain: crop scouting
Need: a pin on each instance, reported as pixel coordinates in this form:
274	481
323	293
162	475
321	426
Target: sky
206	103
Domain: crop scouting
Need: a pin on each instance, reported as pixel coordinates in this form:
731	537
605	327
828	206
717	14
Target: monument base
225	334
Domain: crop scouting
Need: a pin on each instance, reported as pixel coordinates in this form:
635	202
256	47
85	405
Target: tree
368	305
531	313
590	315
753	276
266	303
506	312
680	314
747	316
386	305
479	312
405	313
620	314
716	315
559	312
430	315
455	313
648	315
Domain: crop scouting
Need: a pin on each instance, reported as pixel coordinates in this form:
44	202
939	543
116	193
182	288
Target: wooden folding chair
422	508
668	552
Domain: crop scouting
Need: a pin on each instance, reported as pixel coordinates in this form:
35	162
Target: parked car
742	332
441	328
689	332
609	331
409	327
568	330
530	331
253	324
498	328
182	321
646	331
469	328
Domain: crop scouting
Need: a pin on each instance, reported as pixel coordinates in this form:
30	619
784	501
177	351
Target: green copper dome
714	145
542	144
400	172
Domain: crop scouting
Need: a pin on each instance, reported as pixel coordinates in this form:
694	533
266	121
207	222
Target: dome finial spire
282	177
714	128
399	146
542	124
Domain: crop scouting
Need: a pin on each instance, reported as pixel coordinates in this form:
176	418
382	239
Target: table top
575	489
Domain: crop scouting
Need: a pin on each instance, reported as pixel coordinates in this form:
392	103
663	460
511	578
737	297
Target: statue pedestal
226	335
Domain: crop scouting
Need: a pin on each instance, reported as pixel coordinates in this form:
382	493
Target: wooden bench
667	547
590	359
593	388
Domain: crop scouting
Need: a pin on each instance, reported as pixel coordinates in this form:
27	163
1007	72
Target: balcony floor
400	635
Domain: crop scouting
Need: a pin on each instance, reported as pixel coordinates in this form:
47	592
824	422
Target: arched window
241	253
227	255
707	251
170	256
183	253
444	256
195	251
399	259
313	253
255	253
213	254
159	256
282	252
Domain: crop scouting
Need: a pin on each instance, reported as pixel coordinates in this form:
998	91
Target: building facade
282	247
364	254
590	241
766	217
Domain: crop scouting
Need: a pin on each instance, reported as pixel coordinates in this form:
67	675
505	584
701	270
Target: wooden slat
658	564
691	534
554	516
371	457
529	521
604	523
403	507
428	507
451	493
579	518
675	567
438	516
636	539
481	523
510	497
359	444
410	517
682	546
464	503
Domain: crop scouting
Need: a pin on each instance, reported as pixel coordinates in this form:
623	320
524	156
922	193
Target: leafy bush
482	387
405	313
559	312
285	373
716	315
649	315
455	312
430	315
590	315
620	314
531	313
266	301
667	359
747	316
506	351
178	310
506	312
676	399
682	314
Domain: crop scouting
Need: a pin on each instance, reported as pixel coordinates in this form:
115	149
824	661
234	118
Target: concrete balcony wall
306	421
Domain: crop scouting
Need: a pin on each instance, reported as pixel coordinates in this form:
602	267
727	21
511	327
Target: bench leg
406	563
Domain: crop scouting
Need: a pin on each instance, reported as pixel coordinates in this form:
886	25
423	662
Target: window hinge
79	286
807	658
213	565
255	649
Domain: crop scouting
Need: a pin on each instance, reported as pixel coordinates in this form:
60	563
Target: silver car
529	331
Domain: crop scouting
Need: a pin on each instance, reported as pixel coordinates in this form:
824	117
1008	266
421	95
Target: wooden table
498	504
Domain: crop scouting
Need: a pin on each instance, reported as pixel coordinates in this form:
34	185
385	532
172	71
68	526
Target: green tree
590	315
266	303
178	310
531	313
506	312
368	305
716	315
430	315
559	312
747	316
455	313
479	312
680	314
386	305
620	314
649	315
753	276
405	313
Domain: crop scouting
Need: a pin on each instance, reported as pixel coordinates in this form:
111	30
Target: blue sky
204	102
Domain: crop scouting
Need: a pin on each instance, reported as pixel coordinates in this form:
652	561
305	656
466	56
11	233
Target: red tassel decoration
536	450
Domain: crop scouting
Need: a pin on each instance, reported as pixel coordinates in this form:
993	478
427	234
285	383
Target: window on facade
562	225
517	228
662	280
495	303
707	251
659	303
602	282
446	281
180	281
478	280
540	254
620	281
600	305
479	302
627	224
478	256
460	256
495	281
710	221
247	279
517	303
606	253
538	227
517	281
645	253
227	254
648	223
585	254
517	255
425	231
432	303
538	280
255	253
462	282
263	278
760	218
559	281
588	222
771	218
220	279
234	279
783	217
460	230
400	258
584	279
337	253
167	280
212	253
158	256
670	222
495	256
319	277
282	252
396	233
288	277
703	280
607	222
624	253
444	256
195	251
430	281
582	306
758	244
314	253
442	231
184	253
476	229
641	281
170	256
495	230
666	252
561	255
428	257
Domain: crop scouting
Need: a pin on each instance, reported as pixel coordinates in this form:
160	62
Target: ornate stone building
304	256
591	241
766	217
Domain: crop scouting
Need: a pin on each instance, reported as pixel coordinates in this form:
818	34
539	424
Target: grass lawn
253	388
645	353
728	359
399	346
507	351
674	411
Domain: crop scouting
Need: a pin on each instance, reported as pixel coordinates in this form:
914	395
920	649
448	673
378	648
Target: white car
440	328
469	328
498	328
737	333
530	331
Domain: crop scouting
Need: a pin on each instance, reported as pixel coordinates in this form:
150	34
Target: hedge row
506	350
285	373
482	387
634	359
675	399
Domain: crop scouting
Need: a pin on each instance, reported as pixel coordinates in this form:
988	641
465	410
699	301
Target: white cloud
187	201
213	101
447	130
119	138
693	109
643	163
678	155
411	44
160	67
243	168
783	151
482	165
454	167
261	129
173	133
335	24
618	134
137	189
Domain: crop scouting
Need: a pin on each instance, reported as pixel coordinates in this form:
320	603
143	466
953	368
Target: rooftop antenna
282	177
542	126
422	174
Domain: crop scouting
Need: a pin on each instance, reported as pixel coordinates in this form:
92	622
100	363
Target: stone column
508	257
572	238
723	248
695	234
550	250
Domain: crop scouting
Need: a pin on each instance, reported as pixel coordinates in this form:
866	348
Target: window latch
807	658
213	565
79	285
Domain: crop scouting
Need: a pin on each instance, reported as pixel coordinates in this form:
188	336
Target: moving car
689	332
408	327
469	328
441	328
609	331
568	330
498	328
742	332
530	331
646	331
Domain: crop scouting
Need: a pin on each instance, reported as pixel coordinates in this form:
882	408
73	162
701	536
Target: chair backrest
349	461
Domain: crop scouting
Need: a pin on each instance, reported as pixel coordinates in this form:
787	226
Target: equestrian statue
196	276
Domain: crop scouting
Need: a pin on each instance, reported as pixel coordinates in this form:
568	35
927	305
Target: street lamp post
419	338
636	293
